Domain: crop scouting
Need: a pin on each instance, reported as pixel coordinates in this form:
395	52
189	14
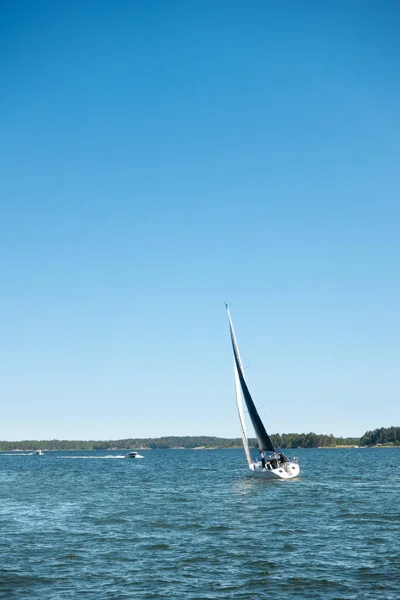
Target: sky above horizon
161	158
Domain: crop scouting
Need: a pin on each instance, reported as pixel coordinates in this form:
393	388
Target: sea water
185	524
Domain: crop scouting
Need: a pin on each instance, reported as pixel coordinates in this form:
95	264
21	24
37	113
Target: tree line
383	435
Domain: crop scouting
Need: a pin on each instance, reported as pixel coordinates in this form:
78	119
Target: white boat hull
287	471
133	455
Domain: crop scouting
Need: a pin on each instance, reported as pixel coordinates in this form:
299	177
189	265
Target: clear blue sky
158	158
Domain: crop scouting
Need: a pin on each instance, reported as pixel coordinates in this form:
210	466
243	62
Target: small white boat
133	455
39	453
272	462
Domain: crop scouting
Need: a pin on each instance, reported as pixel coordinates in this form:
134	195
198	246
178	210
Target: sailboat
272	463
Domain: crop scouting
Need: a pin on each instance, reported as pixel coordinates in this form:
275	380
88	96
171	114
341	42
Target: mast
264	441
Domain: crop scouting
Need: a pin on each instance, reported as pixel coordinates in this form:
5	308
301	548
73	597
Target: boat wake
90	457
17	453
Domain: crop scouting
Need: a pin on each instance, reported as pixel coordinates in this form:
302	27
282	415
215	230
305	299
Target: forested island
389	436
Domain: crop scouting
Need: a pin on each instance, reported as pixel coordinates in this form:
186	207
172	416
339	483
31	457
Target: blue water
184	524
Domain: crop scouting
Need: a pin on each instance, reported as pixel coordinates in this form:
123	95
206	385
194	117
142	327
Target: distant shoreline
147	448
379	438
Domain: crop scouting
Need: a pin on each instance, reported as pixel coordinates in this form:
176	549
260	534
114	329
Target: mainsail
239	404
264	441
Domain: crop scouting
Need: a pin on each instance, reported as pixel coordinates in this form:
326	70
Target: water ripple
185	525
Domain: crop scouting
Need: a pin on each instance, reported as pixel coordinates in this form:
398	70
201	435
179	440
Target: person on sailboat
283	458
262	457
275	460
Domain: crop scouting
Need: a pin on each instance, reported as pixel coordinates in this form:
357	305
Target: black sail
264	441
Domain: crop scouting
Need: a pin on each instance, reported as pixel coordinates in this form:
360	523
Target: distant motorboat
38	452
133	455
